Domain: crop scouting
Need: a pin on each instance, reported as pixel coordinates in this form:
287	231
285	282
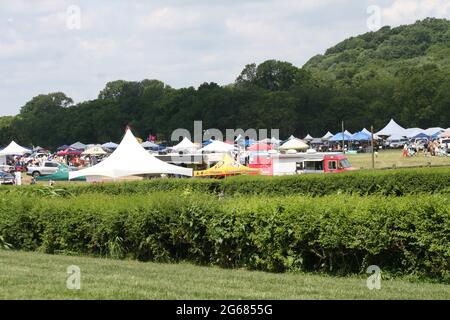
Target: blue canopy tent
421	135
361	136
340	136
205	143
249	142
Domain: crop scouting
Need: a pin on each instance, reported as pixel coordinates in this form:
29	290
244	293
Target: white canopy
327	136
130	158
295	144
149	144
271	140
14	149
412	132
433	131
185	144
308	137
95	151
218	146
391	129
370	133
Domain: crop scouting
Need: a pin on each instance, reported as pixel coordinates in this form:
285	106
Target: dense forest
401	73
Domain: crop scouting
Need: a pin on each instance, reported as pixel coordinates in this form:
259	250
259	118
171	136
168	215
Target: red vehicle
298	163
69	152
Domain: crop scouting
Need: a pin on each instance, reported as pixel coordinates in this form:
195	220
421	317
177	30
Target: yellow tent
226	167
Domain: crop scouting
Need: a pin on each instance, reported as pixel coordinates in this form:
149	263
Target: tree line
272	95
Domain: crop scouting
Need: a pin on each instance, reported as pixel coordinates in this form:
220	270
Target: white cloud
408	11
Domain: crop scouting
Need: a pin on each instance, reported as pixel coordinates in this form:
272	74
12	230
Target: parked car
47	168
7	168
7	178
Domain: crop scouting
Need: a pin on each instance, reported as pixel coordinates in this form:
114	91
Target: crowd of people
429	148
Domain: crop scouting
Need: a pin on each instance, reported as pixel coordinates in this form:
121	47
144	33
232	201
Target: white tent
110	145
129	159
185	144
95	151
392	128
271	140
327	136
308	137
412	132
149	145
348	133
291	137
14	150
370	133
295	144
218	146
433	131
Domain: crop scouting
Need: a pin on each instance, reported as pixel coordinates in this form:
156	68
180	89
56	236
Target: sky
77	46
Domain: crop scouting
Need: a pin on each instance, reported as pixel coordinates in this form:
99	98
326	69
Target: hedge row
336	234
383	182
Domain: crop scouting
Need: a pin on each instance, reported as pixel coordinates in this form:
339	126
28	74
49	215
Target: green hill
386	52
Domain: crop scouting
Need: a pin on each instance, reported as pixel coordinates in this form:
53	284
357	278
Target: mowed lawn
25	275
390	158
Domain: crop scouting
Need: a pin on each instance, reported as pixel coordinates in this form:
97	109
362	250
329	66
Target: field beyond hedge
397	182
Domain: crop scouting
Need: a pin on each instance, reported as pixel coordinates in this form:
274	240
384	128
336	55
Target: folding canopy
69	152
226	167
270	141
129	159
95	151
308	138
411	132
361	136
392	128
339	137
13	149
370	133
110	145
185	144
433	132
149	145
421	135
316	141
78	145
327	136
295	144
218	146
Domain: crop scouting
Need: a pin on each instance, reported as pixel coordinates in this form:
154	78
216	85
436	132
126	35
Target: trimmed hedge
396	182
336	234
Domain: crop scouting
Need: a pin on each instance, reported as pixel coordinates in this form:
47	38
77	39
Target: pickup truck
47	168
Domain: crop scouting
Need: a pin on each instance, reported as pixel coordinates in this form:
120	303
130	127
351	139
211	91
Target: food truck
299	163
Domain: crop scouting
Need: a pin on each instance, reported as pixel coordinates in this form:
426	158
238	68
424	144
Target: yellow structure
226	167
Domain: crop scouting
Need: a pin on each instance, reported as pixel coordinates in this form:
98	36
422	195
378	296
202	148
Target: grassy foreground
390	158
26	275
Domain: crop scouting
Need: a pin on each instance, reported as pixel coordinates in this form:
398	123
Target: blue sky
183	43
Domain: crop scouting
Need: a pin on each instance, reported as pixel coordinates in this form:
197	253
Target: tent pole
371	146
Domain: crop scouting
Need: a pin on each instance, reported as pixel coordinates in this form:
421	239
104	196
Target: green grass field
390	158
26	275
